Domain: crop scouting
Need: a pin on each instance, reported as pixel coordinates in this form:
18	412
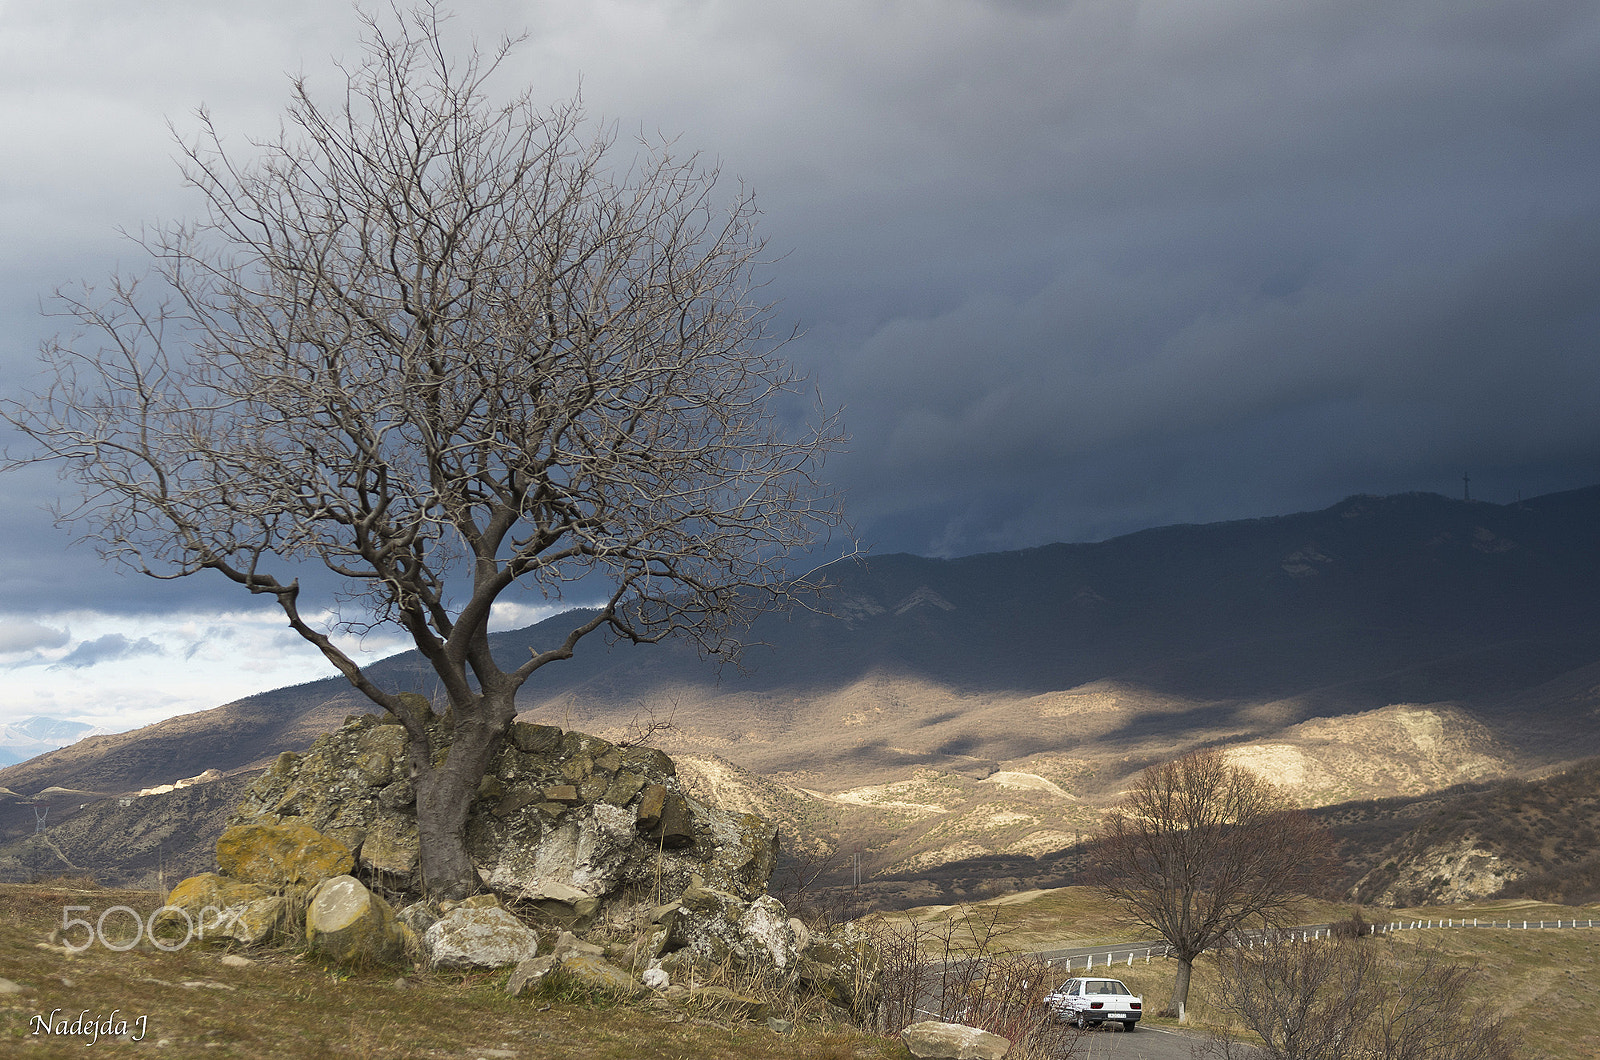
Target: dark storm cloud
1072	268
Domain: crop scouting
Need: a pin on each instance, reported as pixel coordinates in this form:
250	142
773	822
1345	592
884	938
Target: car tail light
1136	1004
1097	1004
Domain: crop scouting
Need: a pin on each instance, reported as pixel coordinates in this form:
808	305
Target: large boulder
570	823
213	908
932	1040
349	924
468	938
278	853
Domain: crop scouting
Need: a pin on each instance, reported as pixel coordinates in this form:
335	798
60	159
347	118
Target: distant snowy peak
58	730
22	740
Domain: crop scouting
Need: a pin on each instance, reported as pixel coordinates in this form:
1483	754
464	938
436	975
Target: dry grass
286	1006
1050	919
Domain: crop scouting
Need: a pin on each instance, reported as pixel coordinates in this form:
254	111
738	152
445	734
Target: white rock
488	937
351	924
932	1040
766	924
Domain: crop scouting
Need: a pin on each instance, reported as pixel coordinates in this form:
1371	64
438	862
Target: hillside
1517	838
991	706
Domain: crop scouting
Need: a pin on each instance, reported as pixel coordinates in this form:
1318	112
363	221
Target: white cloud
119	672
22	635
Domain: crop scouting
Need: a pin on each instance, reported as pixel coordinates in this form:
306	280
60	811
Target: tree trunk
1180	988
443	799
445	793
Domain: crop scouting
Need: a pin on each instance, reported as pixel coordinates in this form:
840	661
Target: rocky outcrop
209	776
1461	869
567	822
932	1040
568	830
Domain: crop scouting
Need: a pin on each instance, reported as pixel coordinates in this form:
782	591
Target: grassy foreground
193	1004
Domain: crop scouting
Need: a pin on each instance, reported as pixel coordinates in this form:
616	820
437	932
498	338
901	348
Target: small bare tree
1354	1000
1202	848
961	971
444	346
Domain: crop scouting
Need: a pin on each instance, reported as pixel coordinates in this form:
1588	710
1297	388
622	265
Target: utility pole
1466	487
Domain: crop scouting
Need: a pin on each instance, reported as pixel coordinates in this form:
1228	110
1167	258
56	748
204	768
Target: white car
1091	1002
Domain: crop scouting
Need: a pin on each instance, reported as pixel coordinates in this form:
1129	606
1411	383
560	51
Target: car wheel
1131	1026
1082	1023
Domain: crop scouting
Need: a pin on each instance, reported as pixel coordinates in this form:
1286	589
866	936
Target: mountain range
30	737
940	711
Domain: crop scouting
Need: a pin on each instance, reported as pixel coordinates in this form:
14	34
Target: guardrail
1524	925
1108	957
1091	961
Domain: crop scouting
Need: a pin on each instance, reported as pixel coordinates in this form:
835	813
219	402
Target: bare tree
445	346
1354	1000
1201	848
962	971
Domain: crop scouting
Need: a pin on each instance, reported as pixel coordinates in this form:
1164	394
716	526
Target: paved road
1147	1043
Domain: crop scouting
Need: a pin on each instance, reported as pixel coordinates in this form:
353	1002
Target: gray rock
419	917
932	1040
845	969
717	926
568	943
479	938
530	973
596	974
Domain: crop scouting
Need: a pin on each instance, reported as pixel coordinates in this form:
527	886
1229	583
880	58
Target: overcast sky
1071	268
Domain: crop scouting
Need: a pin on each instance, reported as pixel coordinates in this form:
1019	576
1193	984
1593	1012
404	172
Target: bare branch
1201	848
444	346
